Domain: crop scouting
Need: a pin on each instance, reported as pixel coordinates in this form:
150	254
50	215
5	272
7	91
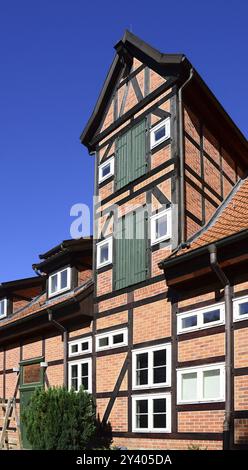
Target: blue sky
54	56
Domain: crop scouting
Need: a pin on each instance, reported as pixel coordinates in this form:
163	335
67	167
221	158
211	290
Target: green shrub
60	419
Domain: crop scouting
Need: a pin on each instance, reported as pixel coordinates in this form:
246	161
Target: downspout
228	344
181	154
64	332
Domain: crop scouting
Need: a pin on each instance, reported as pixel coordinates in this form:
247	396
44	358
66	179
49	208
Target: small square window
160	132
3	308
240	308
211	316
106	169
189	322
112	339
201	318
103	342
161	226
104	253
119	338
59	282
80	346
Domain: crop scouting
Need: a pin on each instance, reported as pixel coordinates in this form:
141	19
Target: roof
41	304
22	283
231	218
176	65
64	249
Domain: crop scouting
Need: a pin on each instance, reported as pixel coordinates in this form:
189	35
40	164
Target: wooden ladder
10	434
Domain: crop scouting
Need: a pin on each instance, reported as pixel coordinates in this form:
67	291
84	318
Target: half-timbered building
153	319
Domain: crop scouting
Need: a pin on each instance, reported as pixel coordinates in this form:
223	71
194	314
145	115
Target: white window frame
102	166
80	362
108	241
79	342
153	219
150	351
166	123
110	336
236	303
150	399
59	290
199	312
200	370
5	304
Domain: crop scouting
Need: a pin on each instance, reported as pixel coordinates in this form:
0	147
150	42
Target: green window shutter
131	155
131	249
138	164
123	153
140	247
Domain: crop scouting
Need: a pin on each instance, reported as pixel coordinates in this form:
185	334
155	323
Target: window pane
161	226
142	361
213	315
74	348
118	338
243	308
84	369
142	406
104	253
106	170
211	384
142	414
85	346
159	405
2	307
64	281
159	421
142	377
141	421
159	358
189	386
160	133
85	383
74	377
142	369
159	375
188	322
54	283
74	383
103	341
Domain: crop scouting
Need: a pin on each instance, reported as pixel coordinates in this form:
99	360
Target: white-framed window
161	226
151	413
113	339
201	384
59	282
106	170
104	252
80	346
152	367
80	374
3	308
160	132
240	308
201	318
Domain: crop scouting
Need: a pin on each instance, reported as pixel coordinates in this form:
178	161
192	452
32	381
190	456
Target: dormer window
160	132
3	308
59	282
106	169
